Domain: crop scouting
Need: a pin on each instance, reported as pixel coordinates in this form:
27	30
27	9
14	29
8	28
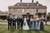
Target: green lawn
4	29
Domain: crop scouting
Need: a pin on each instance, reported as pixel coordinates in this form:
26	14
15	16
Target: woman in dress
41	24
31	23
38	19
25	25
34	23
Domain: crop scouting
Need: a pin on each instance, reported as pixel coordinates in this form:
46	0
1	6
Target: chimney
32	1
37	2
21	1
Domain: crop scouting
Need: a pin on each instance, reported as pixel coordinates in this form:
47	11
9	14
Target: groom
18	22
28	22
9	21
22	20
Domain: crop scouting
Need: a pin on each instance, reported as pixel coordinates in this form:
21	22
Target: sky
5	3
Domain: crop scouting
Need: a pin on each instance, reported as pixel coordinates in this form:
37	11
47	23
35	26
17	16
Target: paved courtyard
16	23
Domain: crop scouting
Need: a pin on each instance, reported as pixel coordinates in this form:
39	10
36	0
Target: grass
4	29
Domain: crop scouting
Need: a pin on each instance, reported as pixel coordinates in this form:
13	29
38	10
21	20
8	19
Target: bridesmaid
35	28
31	23
41	24
37	19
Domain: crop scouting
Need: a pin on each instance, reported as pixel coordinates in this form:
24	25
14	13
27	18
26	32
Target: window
22	10
32	10
27	10
17	4
37	10
18	10
42	10
13	10
27	4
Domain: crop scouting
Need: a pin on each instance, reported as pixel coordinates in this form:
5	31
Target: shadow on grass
29	31
20	31
46	31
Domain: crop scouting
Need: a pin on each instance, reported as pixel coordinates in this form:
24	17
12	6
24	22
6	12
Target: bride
25	25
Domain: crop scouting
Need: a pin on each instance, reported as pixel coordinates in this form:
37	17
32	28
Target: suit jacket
18	20
14	20
28	20
9	19
21	20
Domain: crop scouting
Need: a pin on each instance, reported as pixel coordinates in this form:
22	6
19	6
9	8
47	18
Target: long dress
38	23
35	28
25	25
31	23
41	25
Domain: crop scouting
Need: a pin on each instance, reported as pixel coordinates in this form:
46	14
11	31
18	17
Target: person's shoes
15	29
21	29
11	29
29	29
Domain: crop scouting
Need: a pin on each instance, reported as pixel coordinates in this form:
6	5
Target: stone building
3	15
25	9
48	16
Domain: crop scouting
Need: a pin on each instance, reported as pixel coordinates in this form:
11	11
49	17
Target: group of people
35	23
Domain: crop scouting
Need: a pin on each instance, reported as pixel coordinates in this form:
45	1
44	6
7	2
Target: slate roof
30	4
24	5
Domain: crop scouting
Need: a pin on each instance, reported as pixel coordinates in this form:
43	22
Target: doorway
27	15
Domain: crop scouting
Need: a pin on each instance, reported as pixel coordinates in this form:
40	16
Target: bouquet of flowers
24	23
34	20
37	20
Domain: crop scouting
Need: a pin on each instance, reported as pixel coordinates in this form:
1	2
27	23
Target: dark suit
28	21
22	20
14	22
9	21
18	22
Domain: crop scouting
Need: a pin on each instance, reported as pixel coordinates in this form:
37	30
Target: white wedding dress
25	25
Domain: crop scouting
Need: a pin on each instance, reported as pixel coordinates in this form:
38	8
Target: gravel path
16	23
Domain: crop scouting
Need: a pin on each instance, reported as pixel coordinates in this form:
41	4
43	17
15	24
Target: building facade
48	17
24	9
3	15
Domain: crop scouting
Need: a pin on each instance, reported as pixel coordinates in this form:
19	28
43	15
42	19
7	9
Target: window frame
36	10
27	10
42	10
17	4
23	10
13	10
27	4
18	10
32	10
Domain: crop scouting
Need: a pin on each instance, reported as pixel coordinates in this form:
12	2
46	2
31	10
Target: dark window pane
37	10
